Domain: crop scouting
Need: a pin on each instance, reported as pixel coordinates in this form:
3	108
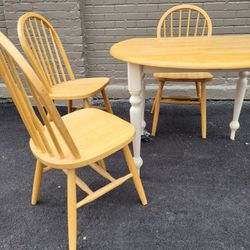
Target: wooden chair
79	139
192	21
46	54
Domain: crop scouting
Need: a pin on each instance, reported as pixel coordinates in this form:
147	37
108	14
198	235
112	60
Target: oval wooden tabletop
214	53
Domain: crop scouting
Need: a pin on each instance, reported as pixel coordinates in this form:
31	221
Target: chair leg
153	106
102	164
106	101
198	88
198	92
203	111
70	103
157	108
86	103
137	180
72	209
37	182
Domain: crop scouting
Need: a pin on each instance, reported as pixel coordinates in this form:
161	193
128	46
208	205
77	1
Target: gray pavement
198	190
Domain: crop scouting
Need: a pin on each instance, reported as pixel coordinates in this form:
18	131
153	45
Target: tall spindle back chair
46	54
179	21
79	139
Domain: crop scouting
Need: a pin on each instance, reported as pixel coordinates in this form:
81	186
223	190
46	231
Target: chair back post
44	135
44	49
167	22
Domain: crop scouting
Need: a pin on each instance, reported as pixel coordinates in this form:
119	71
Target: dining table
181	54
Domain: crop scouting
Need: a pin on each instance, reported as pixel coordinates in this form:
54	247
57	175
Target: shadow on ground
198	190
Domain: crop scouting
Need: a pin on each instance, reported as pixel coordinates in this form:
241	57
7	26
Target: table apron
151	70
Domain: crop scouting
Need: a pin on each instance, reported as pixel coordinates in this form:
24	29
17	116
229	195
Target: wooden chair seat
183	76
82	138
96	133
191	21
44	50
78	89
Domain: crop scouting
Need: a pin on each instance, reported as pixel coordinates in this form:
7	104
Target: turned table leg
143	92
135	88
238	100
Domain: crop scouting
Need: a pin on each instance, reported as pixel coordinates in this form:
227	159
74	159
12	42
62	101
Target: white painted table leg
135	87
143	93
238	100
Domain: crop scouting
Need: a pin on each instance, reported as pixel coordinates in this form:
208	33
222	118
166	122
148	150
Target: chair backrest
44	49
47	132
184	20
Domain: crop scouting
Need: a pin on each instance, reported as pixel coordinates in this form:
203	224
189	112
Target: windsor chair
79	139
46	54
192	21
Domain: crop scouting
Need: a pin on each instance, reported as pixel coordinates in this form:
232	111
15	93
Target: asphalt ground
198	190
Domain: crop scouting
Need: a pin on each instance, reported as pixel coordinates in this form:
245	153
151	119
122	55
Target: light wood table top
203	53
